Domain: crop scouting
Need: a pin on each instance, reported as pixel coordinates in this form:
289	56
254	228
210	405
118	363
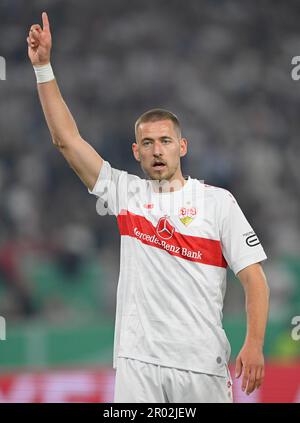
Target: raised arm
80	155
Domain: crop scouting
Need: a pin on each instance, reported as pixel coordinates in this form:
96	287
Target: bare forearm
250	360
60	121
257	306
80	155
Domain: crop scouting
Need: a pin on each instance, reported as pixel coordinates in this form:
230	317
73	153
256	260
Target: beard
160	176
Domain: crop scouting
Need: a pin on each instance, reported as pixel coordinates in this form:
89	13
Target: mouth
159	166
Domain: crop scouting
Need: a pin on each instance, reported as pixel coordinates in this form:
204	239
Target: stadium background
224	67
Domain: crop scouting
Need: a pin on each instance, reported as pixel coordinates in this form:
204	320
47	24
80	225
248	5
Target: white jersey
175	248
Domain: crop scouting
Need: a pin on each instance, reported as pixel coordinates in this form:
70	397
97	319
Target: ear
135	150
183	147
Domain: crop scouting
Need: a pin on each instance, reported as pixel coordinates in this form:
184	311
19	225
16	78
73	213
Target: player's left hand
250	363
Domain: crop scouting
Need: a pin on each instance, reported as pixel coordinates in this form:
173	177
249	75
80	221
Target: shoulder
218	194
108	170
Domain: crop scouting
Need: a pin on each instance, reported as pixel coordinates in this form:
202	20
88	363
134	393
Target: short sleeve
108	188
112	189
240	244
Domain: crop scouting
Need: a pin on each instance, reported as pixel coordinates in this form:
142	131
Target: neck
169	185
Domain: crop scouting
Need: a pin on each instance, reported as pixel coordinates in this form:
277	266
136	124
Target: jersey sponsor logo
188	247
251	239
164	229
187	214
152	239
176	249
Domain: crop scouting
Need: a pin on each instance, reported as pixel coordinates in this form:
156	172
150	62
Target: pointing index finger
46	25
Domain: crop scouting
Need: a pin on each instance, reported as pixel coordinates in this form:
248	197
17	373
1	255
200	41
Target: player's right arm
80	155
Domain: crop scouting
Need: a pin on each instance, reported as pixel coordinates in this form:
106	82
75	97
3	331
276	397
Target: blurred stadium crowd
224	67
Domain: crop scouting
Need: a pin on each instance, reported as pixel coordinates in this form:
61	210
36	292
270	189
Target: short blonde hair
155	115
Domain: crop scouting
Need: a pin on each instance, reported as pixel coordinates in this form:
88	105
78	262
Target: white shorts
137	382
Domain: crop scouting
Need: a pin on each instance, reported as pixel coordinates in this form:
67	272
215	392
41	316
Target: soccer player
178	236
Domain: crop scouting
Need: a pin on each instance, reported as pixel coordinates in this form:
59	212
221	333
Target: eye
146	143
166	141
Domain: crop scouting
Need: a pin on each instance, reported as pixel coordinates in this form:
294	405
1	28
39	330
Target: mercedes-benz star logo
164	229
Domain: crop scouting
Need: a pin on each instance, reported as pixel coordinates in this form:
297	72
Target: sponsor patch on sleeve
251	239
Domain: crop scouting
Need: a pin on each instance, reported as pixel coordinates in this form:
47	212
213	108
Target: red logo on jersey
149	206
187	214
164	229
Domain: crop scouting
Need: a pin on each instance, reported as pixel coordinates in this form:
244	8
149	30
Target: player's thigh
137	382
210	388
187	386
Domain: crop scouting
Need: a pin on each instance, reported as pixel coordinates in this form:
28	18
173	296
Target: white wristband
43	73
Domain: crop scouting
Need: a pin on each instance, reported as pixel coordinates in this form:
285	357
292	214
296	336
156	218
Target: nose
157	149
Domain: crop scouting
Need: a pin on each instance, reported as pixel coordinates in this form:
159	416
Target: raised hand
39	42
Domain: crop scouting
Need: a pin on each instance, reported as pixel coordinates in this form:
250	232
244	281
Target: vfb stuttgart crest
187	214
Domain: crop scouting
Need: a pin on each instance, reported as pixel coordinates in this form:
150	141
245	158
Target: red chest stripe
165	237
